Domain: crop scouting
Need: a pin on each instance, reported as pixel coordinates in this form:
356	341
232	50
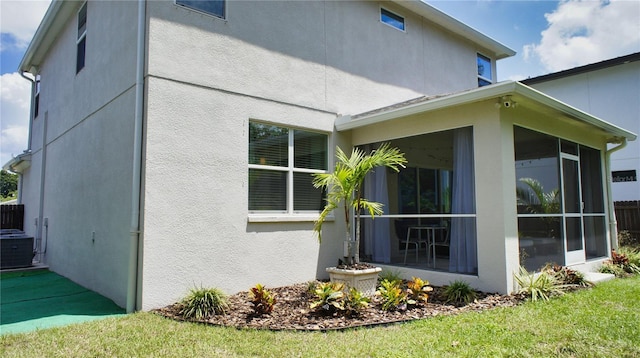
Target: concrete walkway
41	299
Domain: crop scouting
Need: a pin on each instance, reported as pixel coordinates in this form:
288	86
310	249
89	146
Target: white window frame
404	20
36	97
490	80
289	214
82	36
195	9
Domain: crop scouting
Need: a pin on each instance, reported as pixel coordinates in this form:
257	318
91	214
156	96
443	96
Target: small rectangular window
211	7
36	100
485	76
81	43
392	19
281	166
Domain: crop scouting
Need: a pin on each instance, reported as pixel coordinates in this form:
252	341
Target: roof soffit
53	23
459	28
526	98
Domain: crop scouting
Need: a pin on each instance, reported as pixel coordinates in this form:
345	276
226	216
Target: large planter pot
364	281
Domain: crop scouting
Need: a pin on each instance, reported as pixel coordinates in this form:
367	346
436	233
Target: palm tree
547	203
344	185
540	203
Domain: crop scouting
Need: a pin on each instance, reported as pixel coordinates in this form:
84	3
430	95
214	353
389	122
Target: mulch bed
292	312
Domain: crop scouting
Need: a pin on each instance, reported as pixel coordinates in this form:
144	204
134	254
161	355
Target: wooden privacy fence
12	216
628	216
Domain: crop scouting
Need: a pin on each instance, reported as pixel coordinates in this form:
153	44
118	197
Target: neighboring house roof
583	69
59	12
518	93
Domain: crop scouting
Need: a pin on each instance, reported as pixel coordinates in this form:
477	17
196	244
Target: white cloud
14	111
583	32
20	19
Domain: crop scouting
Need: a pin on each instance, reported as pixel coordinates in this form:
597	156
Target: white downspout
132	288
31	112
43	168
613	224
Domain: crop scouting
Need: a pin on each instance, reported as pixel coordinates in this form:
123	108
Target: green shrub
538	286
202	303
418	291
632	254
393	297
262	299
624	262
355	302
625	238
329	297
311	287
459	292
608	267
566	276
389	275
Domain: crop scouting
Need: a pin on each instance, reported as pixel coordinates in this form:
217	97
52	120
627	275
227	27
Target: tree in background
8	183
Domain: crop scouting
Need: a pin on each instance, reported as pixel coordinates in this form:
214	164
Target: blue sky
548	36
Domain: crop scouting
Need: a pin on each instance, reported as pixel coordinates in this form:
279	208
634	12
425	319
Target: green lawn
601	322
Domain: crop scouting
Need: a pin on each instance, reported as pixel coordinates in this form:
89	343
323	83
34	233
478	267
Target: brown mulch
292	312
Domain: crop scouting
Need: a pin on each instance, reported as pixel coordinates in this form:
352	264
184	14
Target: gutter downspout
136	183
43	168
613	224
31	111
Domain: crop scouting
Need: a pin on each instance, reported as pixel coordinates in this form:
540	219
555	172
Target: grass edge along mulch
599	322
292	311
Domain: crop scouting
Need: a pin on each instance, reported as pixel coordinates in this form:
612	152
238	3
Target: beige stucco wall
333	55
289	63
196	226
89	123
495	179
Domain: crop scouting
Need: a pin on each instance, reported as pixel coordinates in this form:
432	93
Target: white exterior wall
495	178
494	184
291	63
334	55
612	95
88	146
196	229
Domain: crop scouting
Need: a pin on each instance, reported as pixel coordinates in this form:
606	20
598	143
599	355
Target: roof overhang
18	163
60	11
47	33
438	17
519	93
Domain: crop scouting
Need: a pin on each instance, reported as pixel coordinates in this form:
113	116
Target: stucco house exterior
172	144
609	90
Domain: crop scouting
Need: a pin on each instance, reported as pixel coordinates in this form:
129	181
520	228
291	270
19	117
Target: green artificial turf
598	322
41	299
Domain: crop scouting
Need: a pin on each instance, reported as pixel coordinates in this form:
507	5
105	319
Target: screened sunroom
497	177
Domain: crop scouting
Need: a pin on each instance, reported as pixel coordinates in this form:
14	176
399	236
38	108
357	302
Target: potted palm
344	188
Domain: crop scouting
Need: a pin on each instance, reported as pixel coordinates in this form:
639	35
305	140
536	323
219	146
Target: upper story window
484	71
36	99
81	43
281	164
392	19
211	7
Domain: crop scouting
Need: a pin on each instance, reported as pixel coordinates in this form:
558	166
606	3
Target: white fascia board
53	22
345	123
18	163
498	90
571	111
436	16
